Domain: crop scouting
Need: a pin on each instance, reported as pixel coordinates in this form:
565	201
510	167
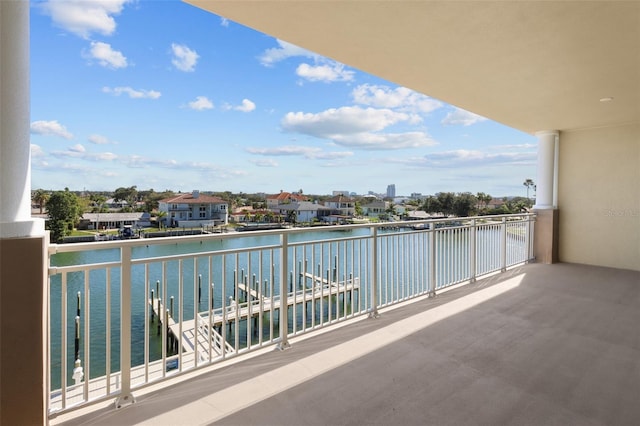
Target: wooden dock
199	338
205	338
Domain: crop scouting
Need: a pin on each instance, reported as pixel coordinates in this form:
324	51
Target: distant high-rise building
391	190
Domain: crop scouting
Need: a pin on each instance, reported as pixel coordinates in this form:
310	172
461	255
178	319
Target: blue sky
162	95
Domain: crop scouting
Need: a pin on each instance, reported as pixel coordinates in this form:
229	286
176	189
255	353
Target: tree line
65	208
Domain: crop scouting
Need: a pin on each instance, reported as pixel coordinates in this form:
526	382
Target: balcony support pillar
546	207
283	316
23	241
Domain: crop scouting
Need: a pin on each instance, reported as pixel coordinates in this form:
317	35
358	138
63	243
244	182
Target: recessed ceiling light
607	99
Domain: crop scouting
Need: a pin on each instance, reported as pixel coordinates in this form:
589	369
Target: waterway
212	276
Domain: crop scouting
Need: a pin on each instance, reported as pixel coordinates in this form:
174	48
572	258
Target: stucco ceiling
532	65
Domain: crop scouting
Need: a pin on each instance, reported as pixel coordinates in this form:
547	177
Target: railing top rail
113	244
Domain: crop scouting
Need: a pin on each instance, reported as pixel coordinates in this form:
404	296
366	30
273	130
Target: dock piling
152	310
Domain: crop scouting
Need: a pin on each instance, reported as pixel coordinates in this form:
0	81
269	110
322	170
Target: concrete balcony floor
540	344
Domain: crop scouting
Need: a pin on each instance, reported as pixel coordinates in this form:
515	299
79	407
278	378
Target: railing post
284	288
373	313
529	238
432	259
472	251
503	245
125	397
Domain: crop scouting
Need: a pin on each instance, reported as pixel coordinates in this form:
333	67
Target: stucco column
546	230
23	241
545	179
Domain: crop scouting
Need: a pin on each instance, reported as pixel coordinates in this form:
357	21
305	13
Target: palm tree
529	184
292	217
40	197
159	216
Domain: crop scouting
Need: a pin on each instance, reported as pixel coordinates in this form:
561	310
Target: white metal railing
126	314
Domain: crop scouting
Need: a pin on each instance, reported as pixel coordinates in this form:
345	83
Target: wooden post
152	310
159	317
254	286
77	340
169	334
235	282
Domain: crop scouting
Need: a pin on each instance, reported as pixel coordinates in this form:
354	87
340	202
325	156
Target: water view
328	278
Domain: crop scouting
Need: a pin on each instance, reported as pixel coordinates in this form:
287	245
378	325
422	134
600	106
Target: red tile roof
286	196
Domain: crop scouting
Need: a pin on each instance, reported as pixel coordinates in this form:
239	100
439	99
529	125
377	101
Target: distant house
341	206
305	211
276	200
100	221
417	215
194	210
242	214
375	208
112	204
495	203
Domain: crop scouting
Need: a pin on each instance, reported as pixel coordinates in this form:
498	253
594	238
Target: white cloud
101	156
52	128
100	140
184	58
134	94
357	127
83	17
461	117
77	148
400	98
78	151
138	161
462	158
339	121
326	73
247	106
106	56
302	151
201	103
266	162
36	151
385	141
284	50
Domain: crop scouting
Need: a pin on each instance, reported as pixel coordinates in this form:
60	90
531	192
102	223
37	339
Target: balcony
443	323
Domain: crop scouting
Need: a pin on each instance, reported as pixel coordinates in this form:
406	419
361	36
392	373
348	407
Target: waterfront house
304	211
194	210
100	221
375	208
557	346
276	200
341	205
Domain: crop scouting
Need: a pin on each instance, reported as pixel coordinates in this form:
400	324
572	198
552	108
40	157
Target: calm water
100	287
197	275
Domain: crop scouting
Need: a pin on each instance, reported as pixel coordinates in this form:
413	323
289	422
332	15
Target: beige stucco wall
599	196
